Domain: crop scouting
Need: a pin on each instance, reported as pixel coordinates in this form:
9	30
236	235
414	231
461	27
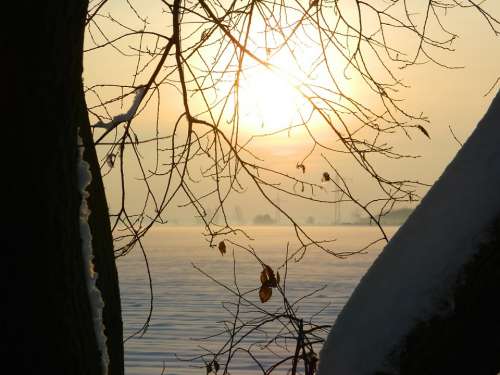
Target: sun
268	101
276	89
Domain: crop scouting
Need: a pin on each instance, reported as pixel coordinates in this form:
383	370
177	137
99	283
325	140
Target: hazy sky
449	97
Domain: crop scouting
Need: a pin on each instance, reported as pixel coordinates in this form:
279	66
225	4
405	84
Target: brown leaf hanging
268	281
265	293
110	160
423	130
267	277
222	247
263	278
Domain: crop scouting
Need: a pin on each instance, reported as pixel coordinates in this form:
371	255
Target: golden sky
269	98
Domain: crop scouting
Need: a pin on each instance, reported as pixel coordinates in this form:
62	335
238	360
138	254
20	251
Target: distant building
264	219
310	220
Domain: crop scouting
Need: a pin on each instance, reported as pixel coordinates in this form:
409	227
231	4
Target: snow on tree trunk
95	298
103	251
420	266
464	336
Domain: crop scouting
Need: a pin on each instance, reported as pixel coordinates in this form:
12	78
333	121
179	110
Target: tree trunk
466	338
46	316
429	303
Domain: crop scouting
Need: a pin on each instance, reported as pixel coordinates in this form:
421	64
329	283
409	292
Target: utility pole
337	196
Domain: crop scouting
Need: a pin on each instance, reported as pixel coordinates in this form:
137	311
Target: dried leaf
136	139
423	130
216	366
326	177
302	167
265	293
268	281
267	277
110	160
263	278
222	247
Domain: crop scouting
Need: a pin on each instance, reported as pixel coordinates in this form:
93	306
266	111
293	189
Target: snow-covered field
188	306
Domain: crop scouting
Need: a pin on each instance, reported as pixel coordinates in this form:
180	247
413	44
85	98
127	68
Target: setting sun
268	101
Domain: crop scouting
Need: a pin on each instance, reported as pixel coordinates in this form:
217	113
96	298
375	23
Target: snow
96	301
421	262
124	117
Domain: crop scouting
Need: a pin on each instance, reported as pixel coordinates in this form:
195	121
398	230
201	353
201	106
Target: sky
454	100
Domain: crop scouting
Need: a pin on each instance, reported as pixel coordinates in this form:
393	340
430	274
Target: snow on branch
124	117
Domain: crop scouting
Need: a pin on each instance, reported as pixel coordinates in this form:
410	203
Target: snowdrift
417	269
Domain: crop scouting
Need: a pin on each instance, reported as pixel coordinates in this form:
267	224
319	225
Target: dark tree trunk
466	338
430	301
46	317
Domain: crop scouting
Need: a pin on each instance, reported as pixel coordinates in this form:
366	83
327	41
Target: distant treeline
395	217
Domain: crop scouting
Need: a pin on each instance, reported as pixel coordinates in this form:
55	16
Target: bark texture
46	320
465	338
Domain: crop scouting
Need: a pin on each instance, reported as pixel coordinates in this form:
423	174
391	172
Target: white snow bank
96	302
422	260
124	117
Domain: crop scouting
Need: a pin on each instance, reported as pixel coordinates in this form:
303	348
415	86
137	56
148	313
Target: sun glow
288	93
268	102
278	85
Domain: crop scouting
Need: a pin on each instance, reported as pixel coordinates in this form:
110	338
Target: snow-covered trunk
46	322
94	294
449	244
464	337
102	246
